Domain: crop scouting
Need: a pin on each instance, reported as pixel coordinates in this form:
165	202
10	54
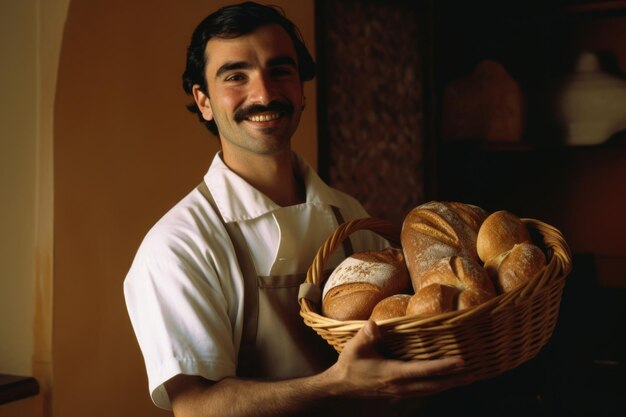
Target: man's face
255	93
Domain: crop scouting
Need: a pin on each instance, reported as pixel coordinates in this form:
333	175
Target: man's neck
277	176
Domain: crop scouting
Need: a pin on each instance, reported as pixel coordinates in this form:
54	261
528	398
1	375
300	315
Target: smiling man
254	95
212	291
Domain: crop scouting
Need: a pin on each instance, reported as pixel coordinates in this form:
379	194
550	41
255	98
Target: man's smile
260	113
265	117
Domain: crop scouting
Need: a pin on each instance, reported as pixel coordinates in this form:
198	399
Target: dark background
412	51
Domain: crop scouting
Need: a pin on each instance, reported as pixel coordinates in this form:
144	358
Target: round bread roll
432	300
390	307
437	230
453	283
498	233
363	279
515	267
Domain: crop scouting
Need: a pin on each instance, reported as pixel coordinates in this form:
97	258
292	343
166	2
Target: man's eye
234	77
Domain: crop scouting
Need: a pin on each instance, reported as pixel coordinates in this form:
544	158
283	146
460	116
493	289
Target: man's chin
269	130
279	131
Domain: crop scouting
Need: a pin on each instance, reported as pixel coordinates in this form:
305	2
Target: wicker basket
494	337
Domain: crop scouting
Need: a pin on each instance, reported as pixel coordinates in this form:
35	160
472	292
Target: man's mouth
258	113
264	117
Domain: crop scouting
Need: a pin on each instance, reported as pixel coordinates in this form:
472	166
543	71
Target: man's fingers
365	338
371	330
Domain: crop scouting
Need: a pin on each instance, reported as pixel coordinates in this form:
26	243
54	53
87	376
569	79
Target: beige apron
275	343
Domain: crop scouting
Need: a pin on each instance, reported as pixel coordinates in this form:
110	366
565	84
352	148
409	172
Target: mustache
274	106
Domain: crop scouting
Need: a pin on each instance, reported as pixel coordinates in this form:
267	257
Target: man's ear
203	102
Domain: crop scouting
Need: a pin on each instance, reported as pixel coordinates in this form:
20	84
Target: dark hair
231	22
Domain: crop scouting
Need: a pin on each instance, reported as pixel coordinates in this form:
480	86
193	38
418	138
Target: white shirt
184	290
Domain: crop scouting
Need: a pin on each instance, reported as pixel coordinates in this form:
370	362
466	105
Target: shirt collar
238	201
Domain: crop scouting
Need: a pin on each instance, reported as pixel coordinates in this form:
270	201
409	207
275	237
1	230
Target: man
212	292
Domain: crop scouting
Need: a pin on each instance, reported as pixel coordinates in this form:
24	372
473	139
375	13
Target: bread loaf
452	283
437	230
362	280
515	267
498	233
391	307
454	255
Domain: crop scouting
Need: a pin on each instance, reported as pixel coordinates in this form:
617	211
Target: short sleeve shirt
184	289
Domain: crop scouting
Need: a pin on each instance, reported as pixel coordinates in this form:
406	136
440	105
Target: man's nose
262	90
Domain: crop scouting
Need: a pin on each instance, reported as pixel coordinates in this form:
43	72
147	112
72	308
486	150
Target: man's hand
362	372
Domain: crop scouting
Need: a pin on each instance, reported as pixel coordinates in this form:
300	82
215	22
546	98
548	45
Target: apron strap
347	244
251	295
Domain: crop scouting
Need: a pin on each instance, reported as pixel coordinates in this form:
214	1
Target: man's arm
359	372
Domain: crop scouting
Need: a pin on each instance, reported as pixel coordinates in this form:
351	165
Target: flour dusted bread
437	230
452	283
362	280
513	268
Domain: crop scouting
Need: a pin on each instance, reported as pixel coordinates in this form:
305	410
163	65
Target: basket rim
557	269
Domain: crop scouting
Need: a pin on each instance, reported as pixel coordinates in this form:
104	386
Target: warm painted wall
125	150
18	139
30	41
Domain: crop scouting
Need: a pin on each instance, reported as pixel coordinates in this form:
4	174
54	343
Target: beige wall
18	140
125	150
29	45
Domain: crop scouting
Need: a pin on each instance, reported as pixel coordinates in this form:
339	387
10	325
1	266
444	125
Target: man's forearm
233	397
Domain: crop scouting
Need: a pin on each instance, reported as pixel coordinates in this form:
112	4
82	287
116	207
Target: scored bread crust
452	283
353	301
437	230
